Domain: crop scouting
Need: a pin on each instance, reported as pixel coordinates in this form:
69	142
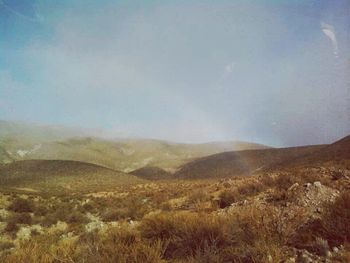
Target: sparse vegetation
270	217
20	205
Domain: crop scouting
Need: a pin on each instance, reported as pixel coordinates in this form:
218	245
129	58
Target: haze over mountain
21	141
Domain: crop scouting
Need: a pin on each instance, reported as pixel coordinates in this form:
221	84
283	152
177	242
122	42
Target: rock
317	184
336	250
307	185
304	257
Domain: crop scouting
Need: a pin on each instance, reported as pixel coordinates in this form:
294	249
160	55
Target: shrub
88	207
186	234
6	245
227	197
198	196
284	181
332	227
250	189
20	205
49	220
115	246
336	220
11	227
76	217
41	211
115	214
21	218
280	196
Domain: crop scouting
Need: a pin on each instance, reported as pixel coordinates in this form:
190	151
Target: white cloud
328	30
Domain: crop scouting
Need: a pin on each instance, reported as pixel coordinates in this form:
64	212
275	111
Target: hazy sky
274	72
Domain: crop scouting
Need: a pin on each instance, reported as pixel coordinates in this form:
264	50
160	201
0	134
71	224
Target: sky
269	71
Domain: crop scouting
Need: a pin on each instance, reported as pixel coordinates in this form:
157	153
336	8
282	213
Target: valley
189	203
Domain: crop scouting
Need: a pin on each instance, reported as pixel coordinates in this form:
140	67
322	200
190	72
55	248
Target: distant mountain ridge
20	141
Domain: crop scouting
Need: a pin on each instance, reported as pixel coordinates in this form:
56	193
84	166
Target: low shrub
114	246
21	218
41	210
333	226
11	227
186	234
115	214
6	245
227	197
76	218
336	220
199	195
20	205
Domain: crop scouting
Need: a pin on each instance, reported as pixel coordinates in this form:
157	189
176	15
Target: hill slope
336	154
240	162
152	173
24	142
48	175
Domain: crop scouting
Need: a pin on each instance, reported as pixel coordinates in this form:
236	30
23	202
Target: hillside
336	154
24	142
152	173
240	163
49	175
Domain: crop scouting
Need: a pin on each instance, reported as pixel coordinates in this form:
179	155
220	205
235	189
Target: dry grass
172	223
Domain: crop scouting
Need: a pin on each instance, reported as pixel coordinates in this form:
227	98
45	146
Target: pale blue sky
275	72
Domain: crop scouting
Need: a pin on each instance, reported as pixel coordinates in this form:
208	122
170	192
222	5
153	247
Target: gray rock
318	184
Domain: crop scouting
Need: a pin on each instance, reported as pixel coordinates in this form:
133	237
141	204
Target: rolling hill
45	175
25	142
152	173
240	163
336	154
